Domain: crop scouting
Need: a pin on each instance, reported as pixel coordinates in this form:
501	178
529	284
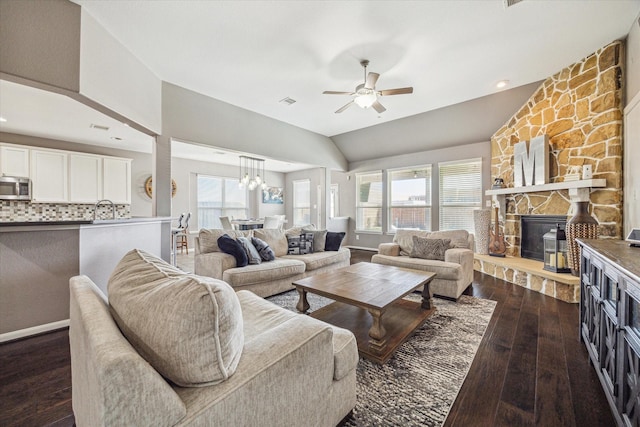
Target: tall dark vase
581	226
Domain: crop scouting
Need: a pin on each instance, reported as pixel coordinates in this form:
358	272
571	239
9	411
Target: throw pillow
404	238
208	238
231	246
252	253
300	245
429	248
188	327
266	253
319	240
276	239
333	241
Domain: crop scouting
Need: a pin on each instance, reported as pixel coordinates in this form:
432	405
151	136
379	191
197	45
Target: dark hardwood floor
530	369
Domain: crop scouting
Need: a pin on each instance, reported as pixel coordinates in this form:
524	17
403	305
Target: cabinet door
85	178
116	180
14	161
49	176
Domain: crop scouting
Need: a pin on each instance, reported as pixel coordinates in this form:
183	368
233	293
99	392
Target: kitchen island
37	258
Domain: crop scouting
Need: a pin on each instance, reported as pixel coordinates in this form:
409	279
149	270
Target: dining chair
271	222
226	223
283	221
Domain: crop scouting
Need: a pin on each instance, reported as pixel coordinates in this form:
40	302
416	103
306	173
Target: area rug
420	382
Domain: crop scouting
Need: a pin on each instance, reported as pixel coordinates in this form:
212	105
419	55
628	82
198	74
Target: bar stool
181	236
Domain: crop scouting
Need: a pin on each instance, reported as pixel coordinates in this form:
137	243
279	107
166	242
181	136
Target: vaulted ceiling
252	54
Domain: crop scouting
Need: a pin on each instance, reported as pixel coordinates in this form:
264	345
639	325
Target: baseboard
362	248
35	330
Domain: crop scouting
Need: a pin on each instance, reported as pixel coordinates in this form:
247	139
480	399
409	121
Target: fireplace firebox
532	228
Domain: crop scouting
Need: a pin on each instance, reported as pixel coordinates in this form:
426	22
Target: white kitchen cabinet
14	161
116	180
85	178
49	176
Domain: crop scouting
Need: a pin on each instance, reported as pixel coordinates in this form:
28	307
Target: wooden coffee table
377	290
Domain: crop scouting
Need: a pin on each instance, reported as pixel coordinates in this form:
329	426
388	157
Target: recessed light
2	119
126	124
502	83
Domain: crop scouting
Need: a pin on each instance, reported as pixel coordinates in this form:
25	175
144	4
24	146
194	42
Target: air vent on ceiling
509	3
99	127
287	101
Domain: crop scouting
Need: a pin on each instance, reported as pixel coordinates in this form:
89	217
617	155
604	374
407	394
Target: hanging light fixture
252	173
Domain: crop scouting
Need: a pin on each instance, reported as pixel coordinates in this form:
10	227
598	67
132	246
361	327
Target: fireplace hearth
532	228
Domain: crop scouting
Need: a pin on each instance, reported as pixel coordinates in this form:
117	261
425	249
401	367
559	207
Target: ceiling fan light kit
366	96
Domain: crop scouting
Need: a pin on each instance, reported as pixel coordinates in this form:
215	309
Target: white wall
347	182
633	61
115	78
631	214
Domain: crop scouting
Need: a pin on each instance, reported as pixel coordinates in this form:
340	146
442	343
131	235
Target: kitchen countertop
18	225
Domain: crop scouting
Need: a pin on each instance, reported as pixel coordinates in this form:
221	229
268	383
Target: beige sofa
286	368
267	278
454	274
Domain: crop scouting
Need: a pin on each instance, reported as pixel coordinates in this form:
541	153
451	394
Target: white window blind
301	202
369	201
219	197
410	198
460	193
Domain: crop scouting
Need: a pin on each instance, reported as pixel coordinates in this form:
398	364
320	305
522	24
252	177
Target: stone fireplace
580	110
532	228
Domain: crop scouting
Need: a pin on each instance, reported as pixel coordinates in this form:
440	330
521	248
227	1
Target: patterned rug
420	382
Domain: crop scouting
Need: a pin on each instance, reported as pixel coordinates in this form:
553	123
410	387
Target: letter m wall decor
531	167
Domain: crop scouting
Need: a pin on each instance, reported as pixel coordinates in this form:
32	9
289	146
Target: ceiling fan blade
333	92
378	107
372	78
344	107
398	91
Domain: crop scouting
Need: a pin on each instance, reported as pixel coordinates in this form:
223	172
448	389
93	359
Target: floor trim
35	330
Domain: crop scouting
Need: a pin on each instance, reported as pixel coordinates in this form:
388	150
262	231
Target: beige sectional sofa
269	277
240	360
454	273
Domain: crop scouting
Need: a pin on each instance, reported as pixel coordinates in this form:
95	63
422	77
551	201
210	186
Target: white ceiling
254	53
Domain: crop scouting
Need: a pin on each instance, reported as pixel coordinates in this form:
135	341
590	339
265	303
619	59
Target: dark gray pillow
426	248
266	253
333	241
300	245
230	246
252	253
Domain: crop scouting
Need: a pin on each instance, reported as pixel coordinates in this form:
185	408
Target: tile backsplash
20	211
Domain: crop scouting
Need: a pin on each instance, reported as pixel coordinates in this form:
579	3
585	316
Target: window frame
223	210
294	206
477	204
359	226
428	206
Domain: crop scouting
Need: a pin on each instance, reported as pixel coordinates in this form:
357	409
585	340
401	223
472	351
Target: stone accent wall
20	211
580	109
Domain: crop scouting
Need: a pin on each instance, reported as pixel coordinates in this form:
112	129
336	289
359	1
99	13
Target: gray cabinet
610	322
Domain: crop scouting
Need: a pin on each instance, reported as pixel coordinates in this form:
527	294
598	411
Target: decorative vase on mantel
581	226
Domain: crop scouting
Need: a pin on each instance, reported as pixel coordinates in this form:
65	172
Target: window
410	198
460	193
369	201
219	197
301	202
334	201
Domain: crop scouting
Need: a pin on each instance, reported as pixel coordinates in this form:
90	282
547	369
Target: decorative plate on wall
148	186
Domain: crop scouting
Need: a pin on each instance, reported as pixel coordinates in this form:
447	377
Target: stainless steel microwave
15	188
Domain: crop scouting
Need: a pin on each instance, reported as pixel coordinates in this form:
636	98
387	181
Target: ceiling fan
366	95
